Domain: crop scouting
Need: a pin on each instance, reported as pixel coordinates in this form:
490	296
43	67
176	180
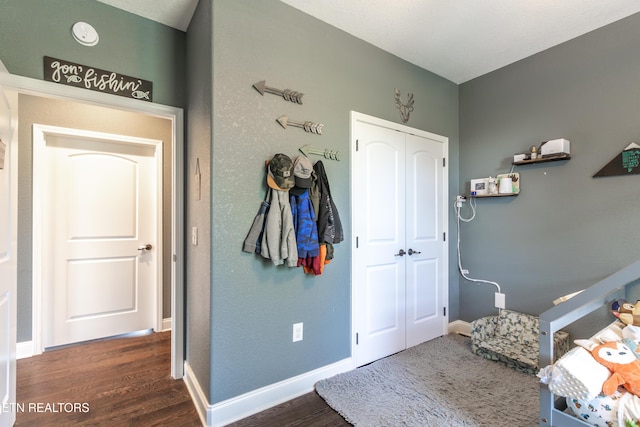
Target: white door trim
360	117
45	89
39	138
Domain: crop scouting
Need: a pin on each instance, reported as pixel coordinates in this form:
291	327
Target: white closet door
399	258
379	274
425	318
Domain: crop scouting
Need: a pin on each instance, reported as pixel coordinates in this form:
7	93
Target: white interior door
379	270
400	257
425	259
8	262
100	235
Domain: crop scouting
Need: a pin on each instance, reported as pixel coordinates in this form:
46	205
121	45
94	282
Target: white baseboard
166	324
255	401
24	349
460	327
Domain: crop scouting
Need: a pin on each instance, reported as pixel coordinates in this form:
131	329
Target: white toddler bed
569	392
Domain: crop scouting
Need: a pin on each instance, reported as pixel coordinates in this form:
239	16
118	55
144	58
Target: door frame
39	140
44	89
360	117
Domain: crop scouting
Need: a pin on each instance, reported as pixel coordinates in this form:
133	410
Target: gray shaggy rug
438	383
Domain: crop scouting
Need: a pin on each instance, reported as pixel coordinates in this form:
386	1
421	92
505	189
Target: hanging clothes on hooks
329	224
279	240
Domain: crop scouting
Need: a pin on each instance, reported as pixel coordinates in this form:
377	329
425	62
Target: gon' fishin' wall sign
72	74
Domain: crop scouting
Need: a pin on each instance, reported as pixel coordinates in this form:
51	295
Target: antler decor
405	109
308	126
287	94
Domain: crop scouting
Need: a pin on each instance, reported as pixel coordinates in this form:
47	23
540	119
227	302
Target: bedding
579	378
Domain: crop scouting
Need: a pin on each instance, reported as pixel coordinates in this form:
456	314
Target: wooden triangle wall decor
625	163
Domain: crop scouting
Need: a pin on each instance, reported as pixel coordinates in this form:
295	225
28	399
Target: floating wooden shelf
478	196
543	159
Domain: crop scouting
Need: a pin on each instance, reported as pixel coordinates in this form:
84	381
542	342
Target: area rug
438	383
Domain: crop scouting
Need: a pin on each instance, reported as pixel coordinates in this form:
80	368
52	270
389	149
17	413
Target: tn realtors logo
56	407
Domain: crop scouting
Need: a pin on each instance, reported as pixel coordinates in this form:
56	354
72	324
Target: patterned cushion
512	339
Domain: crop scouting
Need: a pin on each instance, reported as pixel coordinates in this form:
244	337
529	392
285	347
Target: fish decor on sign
405	109
287	94
308	126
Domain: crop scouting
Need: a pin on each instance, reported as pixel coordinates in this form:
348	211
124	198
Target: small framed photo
480	186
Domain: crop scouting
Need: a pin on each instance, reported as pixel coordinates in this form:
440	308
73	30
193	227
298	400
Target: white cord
459	217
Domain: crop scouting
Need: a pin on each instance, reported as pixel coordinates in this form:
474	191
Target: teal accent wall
253	303
129	44
566	230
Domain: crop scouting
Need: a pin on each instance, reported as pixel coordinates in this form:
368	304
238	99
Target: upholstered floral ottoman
512	338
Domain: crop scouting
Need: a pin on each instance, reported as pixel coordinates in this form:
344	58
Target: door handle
400	253
411	252
146	247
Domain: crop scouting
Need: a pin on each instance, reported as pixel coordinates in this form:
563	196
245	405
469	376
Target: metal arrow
308	126
289	95
328	154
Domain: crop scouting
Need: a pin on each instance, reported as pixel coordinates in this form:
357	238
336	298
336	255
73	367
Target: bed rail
556	318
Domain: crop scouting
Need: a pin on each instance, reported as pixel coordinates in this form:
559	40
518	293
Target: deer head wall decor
405	109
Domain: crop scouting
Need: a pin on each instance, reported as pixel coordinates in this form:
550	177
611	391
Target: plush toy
628	313
620	360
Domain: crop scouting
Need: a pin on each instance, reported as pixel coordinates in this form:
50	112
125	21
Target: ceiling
174	13
456	39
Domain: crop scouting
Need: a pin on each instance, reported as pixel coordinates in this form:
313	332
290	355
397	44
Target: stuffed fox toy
620	360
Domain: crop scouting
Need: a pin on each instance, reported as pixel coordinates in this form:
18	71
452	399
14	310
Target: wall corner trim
460	327
24	349
239	407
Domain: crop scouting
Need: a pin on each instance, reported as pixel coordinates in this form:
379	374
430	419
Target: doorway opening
173	172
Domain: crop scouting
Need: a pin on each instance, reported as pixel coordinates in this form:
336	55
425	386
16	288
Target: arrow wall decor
308	126
287	94
328	154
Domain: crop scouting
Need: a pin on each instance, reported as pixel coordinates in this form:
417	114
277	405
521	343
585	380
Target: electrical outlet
500	300
297	332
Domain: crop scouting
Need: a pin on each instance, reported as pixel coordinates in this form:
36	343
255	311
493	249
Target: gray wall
254	303
129	44
566	230
198	211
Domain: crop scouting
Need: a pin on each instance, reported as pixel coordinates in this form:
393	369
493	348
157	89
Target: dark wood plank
308	410
120	382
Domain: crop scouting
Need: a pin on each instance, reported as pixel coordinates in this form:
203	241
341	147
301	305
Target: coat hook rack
308	126
287	94
328	154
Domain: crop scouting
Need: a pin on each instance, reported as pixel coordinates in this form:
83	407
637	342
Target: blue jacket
304	224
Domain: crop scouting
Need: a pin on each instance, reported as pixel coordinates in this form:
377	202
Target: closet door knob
400	253
411	252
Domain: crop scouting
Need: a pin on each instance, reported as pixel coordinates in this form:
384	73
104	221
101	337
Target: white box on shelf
555	147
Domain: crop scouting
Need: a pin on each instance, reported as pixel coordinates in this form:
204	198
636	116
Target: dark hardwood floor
115	382
126	382
308	410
